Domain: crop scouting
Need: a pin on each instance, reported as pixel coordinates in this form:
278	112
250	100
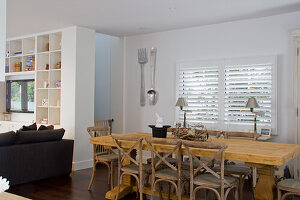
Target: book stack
30	63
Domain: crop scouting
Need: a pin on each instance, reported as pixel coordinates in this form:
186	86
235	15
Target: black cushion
7	138
31	127
26	137
43	127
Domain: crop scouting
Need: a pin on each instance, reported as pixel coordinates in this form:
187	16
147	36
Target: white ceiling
130	17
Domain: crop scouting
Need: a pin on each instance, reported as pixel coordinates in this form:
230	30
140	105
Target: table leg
126	186
265	188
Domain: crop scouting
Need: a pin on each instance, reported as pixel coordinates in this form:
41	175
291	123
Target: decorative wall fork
142	59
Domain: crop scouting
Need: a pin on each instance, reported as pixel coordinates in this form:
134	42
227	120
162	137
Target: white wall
2	38
84	96
102	76
109	79
117	84
264	36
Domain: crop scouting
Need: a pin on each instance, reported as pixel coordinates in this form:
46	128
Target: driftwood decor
195	133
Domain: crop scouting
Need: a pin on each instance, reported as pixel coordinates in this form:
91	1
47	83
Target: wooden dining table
261	155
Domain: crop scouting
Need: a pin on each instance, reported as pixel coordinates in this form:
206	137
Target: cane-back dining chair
102	154
162	169
241	171
136	169
203	177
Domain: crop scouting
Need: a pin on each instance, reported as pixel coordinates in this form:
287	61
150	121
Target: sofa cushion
7	138
43	127
26	137
31	127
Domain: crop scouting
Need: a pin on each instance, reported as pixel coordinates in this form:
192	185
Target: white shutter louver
242	82
200	87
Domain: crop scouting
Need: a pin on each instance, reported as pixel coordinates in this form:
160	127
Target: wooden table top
266	153
9	196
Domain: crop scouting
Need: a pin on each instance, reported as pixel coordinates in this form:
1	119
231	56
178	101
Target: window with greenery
20	96
217	91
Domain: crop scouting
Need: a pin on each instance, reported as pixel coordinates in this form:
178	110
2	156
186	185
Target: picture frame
265	131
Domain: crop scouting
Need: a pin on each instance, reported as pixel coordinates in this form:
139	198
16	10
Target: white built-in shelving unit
44	52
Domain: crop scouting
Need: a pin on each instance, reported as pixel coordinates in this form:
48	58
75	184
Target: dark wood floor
73	187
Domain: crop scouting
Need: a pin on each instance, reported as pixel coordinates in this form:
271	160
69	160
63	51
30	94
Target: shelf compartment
40	95
55	59
29	45
54	116
6	65
15	47
42	77
7	50
54	98
15	63
43	61
55	41
41	114
29	63
55	78
43	43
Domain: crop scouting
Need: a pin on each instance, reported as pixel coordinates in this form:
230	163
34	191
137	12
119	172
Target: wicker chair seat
170	174
235	169
134	169
287	184
107	157
212	181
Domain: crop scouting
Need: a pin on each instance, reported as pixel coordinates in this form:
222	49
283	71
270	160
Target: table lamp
252	103
180	103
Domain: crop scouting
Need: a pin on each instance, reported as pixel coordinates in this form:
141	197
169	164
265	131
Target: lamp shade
181	102
252	103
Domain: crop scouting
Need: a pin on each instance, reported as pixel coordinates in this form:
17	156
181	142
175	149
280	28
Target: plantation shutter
242	82
200	87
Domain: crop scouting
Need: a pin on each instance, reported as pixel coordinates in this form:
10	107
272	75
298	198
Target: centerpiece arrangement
197	132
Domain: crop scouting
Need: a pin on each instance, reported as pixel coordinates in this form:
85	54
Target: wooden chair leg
160	191
205	194
93	175
179	189
119	182
241	185
236	193
141	186
169	190
108	173
279	194
112	175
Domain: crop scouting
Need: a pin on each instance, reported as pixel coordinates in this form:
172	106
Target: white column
2	38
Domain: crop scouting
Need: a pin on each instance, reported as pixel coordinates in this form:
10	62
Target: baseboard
82	164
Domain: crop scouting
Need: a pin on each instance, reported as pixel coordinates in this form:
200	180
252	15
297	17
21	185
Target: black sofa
29	159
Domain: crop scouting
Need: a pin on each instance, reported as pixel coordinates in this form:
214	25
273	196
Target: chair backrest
236	134
204	166
126	145
97	131
154	144
101	123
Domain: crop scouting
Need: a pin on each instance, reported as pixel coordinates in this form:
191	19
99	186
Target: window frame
222	63
23	95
